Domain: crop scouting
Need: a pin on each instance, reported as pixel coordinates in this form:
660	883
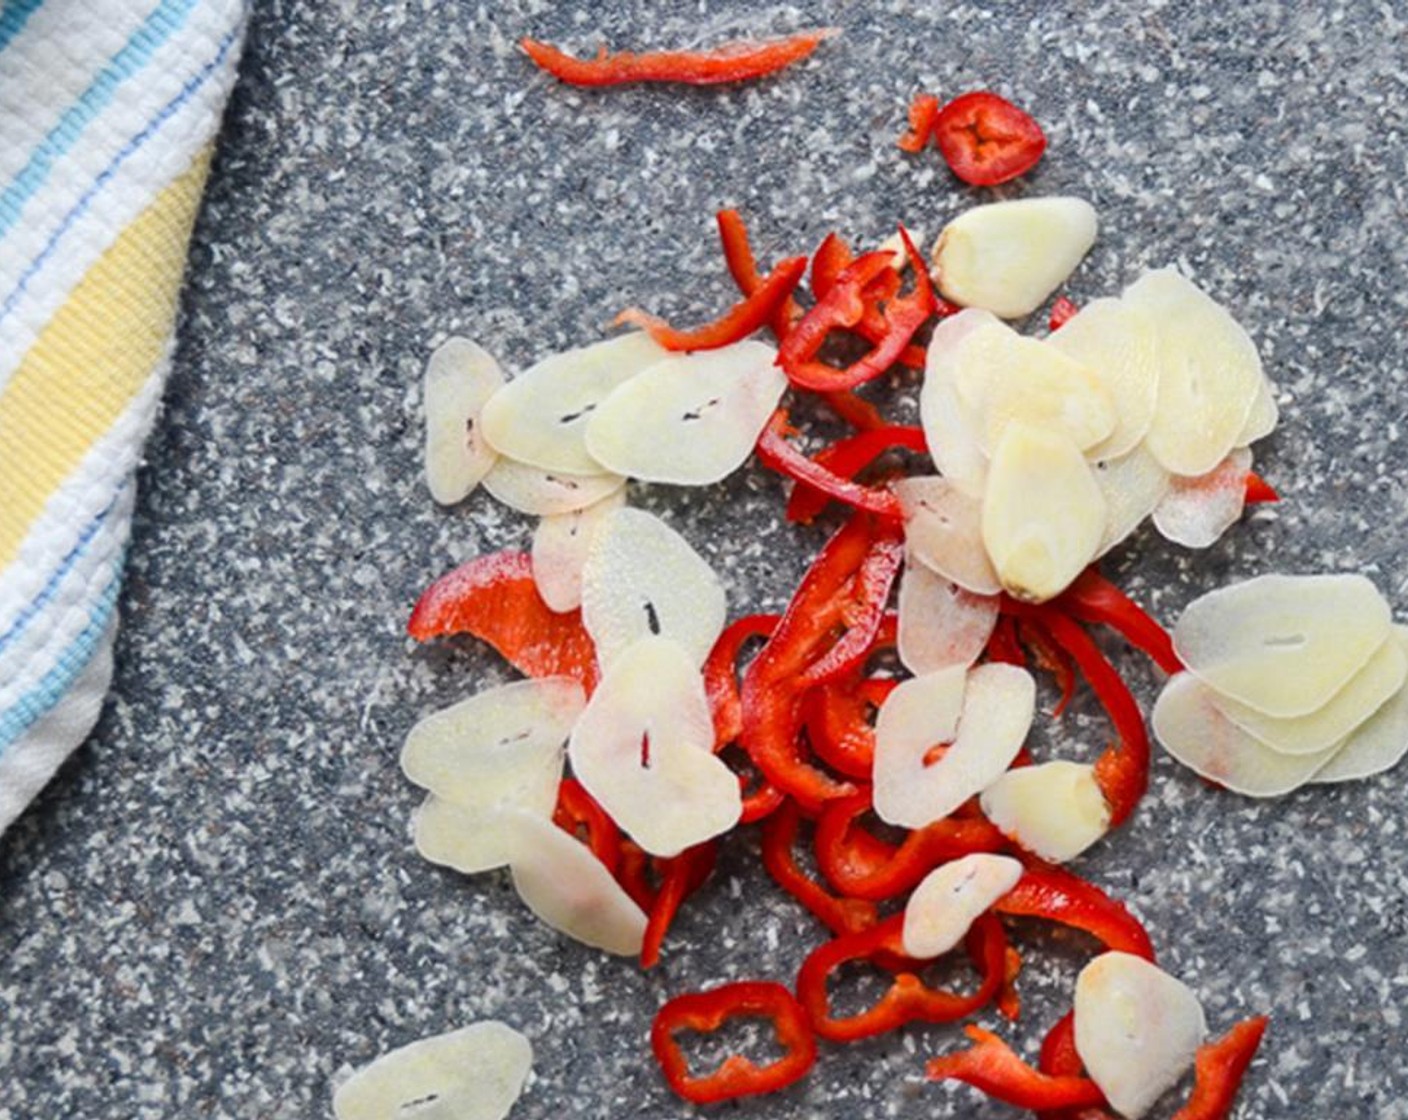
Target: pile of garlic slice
1290	680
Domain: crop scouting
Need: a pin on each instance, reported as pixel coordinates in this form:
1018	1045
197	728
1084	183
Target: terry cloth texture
108	110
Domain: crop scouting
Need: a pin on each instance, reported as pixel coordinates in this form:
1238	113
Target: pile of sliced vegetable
881	720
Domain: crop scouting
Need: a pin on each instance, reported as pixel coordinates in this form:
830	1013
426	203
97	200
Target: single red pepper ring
738	1076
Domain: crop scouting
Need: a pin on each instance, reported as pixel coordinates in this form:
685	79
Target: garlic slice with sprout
460	378
951	898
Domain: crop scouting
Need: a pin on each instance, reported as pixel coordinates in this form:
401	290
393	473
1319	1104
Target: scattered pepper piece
731	62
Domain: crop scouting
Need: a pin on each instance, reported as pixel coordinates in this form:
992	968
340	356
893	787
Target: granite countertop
215	910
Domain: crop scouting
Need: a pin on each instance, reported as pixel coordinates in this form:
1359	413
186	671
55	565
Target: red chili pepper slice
847	458
1003	646
779	840
1093	598
577	812
987	140
730	62
1059	1057
1218	1070
1052	658
865	616
839	723
680	877
633	874
721	674
738	1076
1009	1002
923	113
1062	312
751	313
494	598
992	1066
776	453
908	998
743	267
1059	896
1259	490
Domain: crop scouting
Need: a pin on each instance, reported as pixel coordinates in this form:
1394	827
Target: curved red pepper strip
721	674
494	598
1060	896
861	866
737	1076
1059	1057
1052	658
577	811
908	998
923	112
839	915
751	313
680	877
831	259
992	1066
1009	1002
842	306
776	453
730	62
1003	646
743	267
856	411
1093	598
869	592
828	263
1219	1068
847	458
838	717
634	874
1258	490
1062	312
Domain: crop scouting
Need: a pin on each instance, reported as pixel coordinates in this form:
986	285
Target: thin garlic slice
474	1073
459	378
644	748
943	529
1367	691
949	432
1003	378
1137	1029
541	493
1264	416
1043	514
690	420
642	578
468	839
1116	342
951	898
941	624
984	716
503	744
1197	511
1283	644
1008	257
560	546
1209	373
540	417
1187	721
1054	810
569	889
1132	485
1380	742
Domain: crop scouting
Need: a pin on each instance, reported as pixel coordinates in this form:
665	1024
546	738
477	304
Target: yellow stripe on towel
93	356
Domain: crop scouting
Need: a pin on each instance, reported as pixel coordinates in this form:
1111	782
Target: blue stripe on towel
13	17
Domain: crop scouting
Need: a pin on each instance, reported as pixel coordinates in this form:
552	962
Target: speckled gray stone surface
215	910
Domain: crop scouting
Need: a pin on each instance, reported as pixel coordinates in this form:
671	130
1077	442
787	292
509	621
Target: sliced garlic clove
504	744
948	430
1007	257
541	493
569	889
1132	485
985	717
940	624
644	749
470	840
1116	342
540	417
643	578
1043	514
1380	742
951	898
474	1073
560	546
459	378
943	529
1187	721
690	420
1209	373
1003	378
1197	511
1264	416
1054	810
1137	1030
1283	644
1367	691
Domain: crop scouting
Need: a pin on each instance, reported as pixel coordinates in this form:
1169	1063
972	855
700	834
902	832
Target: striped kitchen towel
108	110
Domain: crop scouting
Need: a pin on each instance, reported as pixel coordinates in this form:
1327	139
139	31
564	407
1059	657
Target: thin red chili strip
923	112
731	62
743	267
1258	490
1219	1068
634	874
576	811
992	1066
847	458
1059	1058
779	841
869	592
748	315
1060	896
775	452
738	1076
680	877
1052	658
1093	598
1062	312
856	411
1003	646
838	718
721	674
